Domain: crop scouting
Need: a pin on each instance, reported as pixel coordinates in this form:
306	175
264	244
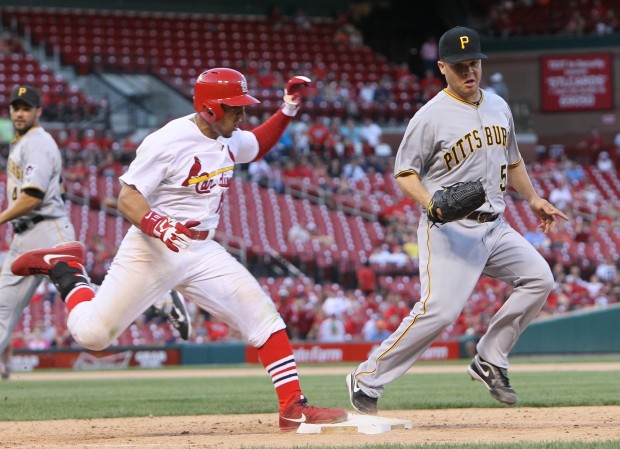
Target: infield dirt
236	431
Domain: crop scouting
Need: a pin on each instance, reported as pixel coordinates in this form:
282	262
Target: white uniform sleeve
149	168
244	146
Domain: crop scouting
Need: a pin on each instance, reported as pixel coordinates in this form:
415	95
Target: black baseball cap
27	94
460	44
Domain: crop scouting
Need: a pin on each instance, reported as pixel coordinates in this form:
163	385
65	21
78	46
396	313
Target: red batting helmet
216	87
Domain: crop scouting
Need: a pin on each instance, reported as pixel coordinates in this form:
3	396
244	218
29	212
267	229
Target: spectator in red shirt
109	166
216	330
90	141
266	77
300	317
593	143
354	321
318	134
397	308
107	141
73	143
298	169
76	172
366	278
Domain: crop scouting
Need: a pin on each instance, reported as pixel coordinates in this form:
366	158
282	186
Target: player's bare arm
547	213
23	205
135	208
132	204
412	187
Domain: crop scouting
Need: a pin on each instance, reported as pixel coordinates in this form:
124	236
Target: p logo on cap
460	44
26	94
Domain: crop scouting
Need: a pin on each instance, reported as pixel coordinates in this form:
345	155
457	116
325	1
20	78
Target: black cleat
494	378
175	311
360	401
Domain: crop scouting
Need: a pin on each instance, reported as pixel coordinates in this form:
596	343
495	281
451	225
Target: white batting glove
175	235
293	94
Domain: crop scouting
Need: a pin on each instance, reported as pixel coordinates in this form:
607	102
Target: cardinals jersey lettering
184	174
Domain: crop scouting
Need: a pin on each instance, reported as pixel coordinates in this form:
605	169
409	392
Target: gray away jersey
34	162
449	140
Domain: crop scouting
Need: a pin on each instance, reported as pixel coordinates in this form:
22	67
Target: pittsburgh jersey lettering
472	141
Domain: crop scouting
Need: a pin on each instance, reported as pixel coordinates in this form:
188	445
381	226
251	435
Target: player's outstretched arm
547	213
293	94
270	132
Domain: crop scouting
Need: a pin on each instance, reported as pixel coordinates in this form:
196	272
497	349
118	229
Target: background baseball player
173	194
35	208
463	134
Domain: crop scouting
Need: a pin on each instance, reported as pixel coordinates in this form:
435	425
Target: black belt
23	224
482	217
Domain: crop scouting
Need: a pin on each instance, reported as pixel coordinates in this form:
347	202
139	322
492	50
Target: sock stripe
283	368
284	374
280	364
285	380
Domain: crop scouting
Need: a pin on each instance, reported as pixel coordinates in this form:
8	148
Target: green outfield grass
23	400
61	399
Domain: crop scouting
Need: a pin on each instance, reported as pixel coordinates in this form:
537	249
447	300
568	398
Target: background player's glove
293	94
175	235
455	202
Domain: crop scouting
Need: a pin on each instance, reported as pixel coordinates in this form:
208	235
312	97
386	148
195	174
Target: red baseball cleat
41	261
300	412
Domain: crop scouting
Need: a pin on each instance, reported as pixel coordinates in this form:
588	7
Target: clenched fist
293	94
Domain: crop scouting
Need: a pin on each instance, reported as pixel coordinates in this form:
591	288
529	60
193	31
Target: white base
366	424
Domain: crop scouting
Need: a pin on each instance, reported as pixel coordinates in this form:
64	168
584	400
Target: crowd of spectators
330	153
553	17
387	283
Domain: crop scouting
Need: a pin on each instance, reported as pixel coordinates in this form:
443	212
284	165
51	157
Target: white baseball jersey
182	174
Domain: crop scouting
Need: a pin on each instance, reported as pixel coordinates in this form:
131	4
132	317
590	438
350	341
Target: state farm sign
577	82
316	352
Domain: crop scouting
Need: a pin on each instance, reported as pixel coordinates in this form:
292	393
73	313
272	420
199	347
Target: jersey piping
515	164
18	137
408	172
475	105
415	319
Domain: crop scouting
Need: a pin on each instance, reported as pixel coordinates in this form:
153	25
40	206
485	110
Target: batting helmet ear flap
211	113
216	87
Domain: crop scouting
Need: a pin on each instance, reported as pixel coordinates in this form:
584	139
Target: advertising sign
577	82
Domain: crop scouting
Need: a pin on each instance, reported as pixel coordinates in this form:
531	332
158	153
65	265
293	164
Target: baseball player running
35	207
37	213
173	194
462	134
